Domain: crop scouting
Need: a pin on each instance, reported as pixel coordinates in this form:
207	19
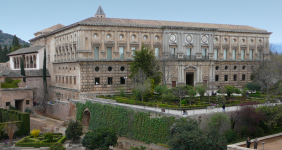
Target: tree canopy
15	43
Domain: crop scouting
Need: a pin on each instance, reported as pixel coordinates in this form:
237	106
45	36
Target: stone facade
92	56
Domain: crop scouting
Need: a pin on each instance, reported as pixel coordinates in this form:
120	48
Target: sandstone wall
61	110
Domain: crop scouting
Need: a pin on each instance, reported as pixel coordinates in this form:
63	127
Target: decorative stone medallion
189	38
172	38
205	39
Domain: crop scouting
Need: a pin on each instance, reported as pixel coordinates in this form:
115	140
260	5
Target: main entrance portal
190	78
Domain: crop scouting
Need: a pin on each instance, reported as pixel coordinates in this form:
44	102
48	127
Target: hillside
6	39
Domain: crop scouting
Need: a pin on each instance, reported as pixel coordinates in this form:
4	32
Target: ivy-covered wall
127	122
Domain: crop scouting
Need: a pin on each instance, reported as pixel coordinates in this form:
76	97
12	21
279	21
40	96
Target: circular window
110	68
225	40
251	40
121	36
97	69
216	68
156	37
259	41
234	40
243	40
235	67
95	35
145	37
108	36
216	39
226	67
122	68
133	36
243	67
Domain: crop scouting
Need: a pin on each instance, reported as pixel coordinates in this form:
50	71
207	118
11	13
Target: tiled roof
167	23
50	29
11	74
100	11
31	49
34	73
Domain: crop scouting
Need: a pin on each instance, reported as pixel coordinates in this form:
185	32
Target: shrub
49	137
137	148
100	138
74	130
161	89
35	132
57	146
184	102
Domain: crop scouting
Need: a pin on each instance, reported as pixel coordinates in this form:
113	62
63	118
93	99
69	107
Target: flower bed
39	141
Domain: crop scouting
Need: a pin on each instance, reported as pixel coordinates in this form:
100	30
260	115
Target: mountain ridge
6	39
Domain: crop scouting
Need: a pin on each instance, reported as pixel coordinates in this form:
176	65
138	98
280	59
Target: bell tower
100	13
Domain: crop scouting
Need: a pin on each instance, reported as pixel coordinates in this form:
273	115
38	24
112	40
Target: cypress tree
1	54
45	91
9	51
22	69
15	44
5	52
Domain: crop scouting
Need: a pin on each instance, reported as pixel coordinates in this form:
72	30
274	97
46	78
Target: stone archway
86	117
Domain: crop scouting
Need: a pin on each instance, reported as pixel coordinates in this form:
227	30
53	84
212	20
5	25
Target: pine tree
5	52
22	69
1	54
15	44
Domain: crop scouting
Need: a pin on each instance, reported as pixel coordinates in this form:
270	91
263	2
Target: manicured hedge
23	120
29	141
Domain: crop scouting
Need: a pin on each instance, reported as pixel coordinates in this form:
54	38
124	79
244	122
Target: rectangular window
225	54
243	77
215	54
242	54
7	103
63	79
204	52
133	51
121	53
225	77
259	55
56	79
216	77
172	50
70	80
110	80
234	54
27	102
109	53
97	81
157	53
188	51
67	80
122	80
235	78
59	79
74	80
96	53
251	54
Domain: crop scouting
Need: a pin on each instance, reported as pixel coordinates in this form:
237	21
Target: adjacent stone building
91	56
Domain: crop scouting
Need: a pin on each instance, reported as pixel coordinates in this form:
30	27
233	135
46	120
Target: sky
25	17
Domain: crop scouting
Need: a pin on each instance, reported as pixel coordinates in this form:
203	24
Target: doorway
173	83
19	104
190	78
86	118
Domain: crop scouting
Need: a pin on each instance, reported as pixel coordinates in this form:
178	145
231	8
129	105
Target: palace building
91	56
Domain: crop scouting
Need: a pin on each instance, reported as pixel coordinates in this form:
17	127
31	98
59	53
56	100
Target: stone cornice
148	26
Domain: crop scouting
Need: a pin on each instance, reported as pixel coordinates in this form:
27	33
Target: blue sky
25	17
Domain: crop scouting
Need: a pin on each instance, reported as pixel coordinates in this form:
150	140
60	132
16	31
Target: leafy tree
201	89
252	86
74	130
180	91
167	96
141	83
273	116
146	61
15	44
192	93
231	89
214	140
161	89
57	146
218	121
22	69
100	138
185	134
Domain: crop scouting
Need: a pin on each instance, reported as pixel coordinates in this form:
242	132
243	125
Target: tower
100	13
